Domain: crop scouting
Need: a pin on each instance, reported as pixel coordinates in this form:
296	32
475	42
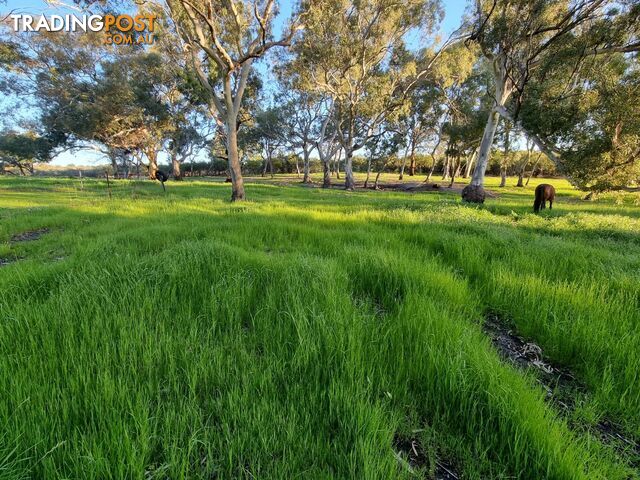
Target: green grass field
310	333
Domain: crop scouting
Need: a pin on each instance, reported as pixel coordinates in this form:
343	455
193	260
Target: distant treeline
290	164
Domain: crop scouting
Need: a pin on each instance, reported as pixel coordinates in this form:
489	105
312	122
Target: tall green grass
296	335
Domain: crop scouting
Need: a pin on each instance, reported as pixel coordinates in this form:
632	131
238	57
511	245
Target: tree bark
306	166
235	169
431	170
523	169
474	192
326	181
366	182
472	159
455	169
412	162
404	161
445	171
432	154
114	163
175	163
533	169
152	156
485	149
376	185
349	181
505	159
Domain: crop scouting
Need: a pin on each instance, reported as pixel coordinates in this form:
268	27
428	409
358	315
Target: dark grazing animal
161	177
544	192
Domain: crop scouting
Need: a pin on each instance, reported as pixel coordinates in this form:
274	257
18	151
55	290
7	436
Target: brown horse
544	192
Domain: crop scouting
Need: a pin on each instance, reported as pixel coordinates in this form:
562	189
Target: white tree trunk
235	169
470	164
175	164
349	181
485	149
307	168
404	164
474	192
366	182
326	180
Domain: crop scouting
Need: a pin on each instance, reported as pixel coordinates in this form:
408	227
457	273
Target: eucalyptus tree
420	122
144	81
354	53
452	83
301	113
266	135
224	41
117	107
589	120
189	127
327	144
383	148
309	117
524	162
20	150
184	140
86	95
517	37
462	131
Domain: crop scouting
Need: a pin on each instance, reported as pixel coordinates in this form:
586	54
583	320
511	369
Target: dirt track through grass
301	333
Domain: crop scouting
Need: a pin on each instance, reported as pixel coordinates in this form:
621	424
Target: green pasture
310	333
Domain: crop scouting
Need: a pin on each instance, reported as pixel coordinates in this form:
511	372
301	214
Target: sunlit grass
178	335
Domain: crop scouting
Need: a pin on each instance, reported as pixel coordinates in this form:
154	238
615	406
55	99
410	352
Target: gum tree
516	37
310	114
224	40
353	52
453	88
301	112
85	95
21	150
589	119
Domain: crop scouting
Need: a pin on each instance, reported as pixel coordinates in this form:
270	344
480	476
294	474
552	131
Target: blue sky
454	9
453	13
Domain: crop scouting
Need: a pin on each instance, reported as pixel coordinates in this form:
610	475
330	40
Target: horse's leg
550	204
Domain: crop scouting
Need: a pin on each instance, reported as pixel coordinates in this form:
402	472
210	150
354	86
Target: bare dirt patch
555	379
408	187
428	187
410	452
444	471
29	235
6	261
561	385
